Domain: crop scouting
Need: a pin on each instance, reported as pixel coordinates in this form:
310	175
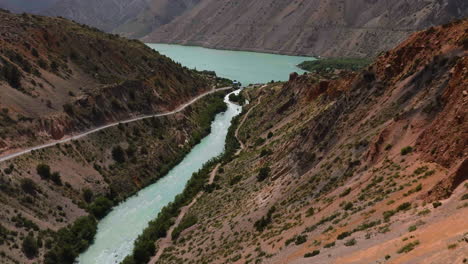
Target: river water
119	229
246	67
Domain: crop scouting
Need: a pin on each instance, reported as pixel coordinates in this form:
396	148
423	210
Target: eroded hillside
351	28
58	77
367	167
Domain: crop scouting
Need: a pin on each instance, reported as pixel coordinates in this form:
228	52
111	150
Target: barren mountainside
58	77
319	27
367	167
134	18
351	28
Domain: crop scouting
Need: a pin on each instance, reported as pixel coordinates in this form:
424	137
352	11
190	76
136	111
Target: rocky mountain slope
134	18
58	77
319	27
367	167
20	6
328	28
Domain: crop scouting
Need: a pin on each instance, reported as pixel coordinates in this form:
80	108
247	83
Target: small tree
118	154
43	170
29	247
263	173
28	186
88	195
56	178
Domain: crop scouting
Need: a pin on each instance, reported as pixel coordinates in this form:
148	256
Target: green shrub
56	178
43	170
265	152
28	186
70	241
312	254
301	239
406	150
436	204
263	174
187	222
118	154
343	235
345	192
350	242
348	206
408	247
235	180
88	195
29	247
100	207
12	75
261	224
464	197
270	135
330	64
404	207
329	245
310	212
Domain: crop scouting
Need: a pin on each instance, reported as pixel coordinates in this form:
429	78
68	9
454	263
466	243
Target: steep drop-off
366	167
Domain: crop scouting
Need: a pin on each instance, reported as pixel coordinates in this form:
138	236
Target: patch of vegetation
263	174
100	207
406	150
343	235
187	222
300	239
312	254
331	64
345	192
43	170
29	186
464	197
11	74
261	224
350	242
408	247
30	247
452	246
70	241
329	245
237	98
118	154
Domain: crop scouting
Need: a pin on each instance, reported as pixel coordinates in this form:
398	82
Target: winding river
119	229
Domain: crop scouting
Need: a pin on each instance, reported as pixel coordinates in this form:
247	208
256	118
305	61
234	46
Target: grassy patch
329	65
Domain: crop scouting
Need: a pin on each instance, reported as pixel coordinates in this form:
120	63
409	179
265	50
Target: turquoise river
119	229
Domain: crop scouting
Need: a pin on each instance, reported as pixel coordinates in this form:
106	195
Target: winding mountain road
78	136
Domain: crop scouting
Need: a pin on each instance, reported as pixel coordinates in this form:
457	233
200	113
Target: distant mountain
348	28
354	28
104	14
19	6
134	18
